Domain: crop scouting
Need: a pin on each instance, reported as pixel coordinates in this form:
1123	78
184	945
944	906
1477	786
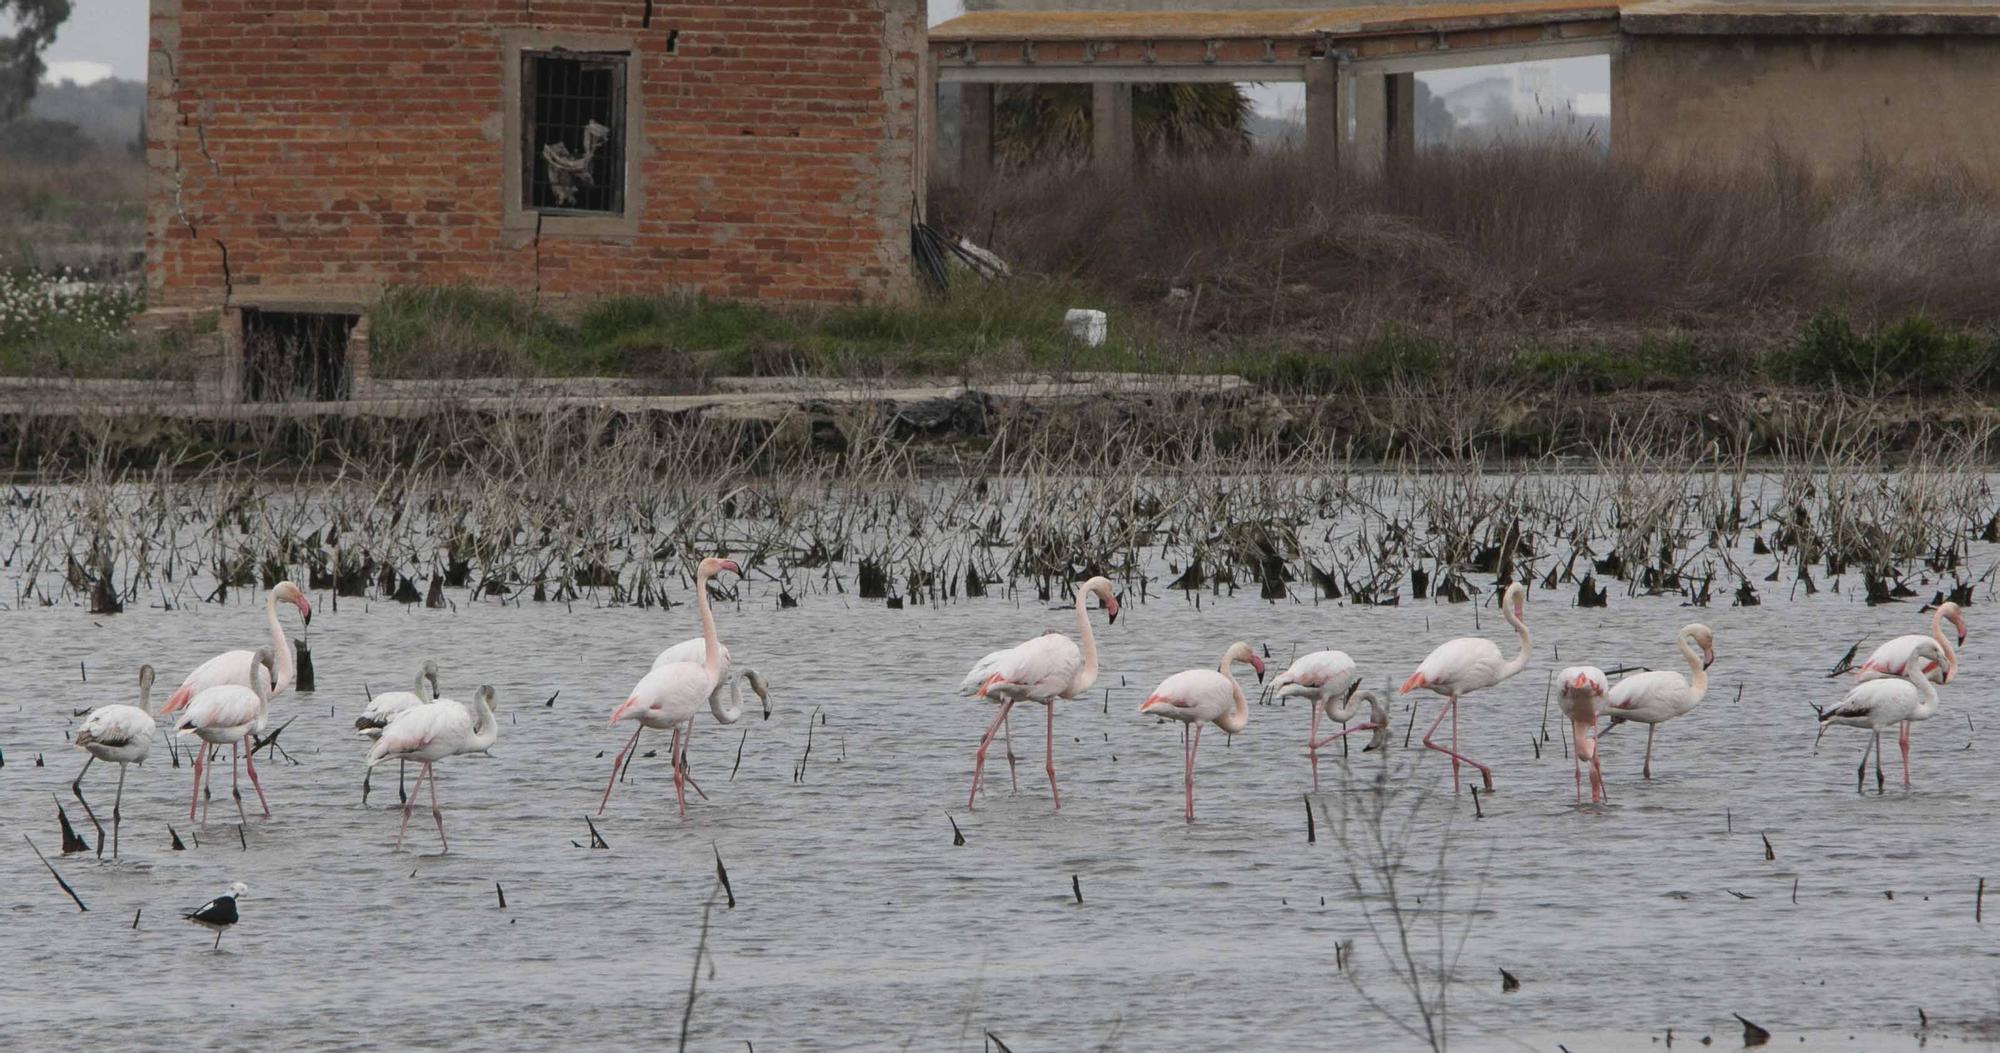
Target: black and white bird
219	913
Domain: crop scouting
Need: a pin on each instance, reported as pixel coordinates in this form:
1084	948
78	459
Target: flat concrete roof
1808	18
1274	24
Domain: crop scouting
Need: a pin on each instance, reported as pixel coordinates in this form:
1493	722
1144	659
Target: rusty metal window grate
573	132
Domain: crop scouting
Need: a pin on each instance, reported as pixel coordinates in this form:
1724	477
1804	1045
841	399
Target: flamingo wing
694	653
1650	697
384	708
1874	703
115	726
1038	670
1458	666
671	693
1196	694
439	723
229	667
221	706
1889	660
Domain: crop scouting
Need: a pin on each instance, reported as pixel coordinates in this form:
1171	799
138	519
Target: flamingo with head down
1327	681
1200	696
1580	691
1467	664
668	697
1040	670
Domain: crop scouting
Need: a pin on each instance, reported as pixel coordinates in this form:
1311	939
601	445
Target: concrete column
1323	124
1401	89
975	132
1111	144
1367	143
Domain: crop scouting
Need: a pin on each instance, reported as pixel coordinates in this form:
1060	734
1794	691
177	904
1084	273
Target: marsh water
859	925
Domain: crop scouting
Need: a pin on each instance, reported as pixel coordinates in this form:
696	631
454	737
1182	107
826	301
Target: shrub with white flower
63	304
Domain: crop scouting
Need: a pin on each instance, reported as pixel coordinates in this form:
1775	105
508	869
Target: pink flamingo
1199	695
241	667
1888	661
668	697
1327	680
1467	664
429	733
1580	692
1876	704
225	714
1040	670
1655	697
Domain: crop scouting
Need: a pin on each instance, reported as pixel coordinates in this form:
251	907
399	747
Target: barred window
573	132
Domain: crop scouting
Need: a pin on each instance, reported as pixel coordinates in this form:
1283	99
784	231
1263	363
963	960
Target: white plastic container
1087	325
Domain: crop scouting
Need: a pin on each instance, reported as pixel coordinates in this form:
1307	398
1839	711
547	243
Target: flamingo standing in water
224	715
1327	681
242	668
1040	670
120	734
668	697
1580	692
430	733
1877	704
1888	662
1467	664
386	707
1204	695
1655	697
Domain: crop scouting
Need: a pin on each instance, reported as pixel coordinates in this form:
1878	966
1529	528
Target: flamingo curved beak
1707	657
1257	664
1111	611
305	608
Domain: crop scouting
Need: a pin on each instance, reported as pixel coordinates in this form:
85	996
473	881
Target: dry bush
1506	238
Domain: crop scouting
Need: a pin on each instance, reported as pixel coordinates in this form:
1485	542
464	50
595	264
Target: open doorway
295	356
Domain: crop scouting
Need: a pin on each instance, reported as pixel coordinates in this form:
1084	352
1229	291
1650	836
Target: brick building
306	154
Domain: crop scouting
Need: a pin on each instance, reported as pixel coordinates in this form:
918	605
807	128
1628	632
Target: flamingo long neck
1520	661
484	724
1088	674
711	650
1927	696
1697	674
1950	664
419	689
1238	717
146	697
283	672
733	712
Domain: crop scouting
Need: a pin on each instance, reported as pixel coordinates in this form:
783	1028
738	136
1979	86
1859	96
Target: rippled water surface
859	925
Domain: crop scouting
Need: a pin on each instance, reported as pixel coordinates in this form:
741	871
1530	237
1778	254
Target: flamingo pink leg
1451	707
436	813
1007	736
250	762
1454	745
1576	770
1343	733
195	796
616	763
1312	747
979	758
1192	747
1647	771
1903	741
680	792
687	773
1053	792
411	804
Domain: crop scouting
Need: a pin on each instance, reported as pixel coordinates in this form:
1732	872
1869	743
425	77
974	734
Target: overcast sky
109	37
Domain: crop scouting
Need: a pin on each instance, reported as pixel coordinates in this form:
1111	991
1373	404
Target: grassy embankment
1517	267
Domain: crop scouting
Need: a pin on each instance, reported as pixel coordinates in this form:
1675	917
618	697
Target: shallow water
858	924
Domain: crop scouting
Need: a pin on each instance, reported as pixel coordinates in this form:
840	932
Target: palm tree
1042	123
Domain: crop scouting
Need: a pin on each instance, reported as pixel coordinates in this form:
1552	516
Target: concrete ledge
1718	18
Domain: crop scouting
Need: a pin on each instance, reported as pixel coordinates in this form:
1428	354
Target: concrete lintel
1103	73
1706	17
1463	57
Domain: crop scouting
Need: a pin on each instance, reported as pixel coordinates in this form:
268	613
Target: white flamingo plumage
224	715
1652	698
1041	670
242	667
669	696
120	734
1327	681
429	733
1888	662
690	651
1580	691
386	707
1198	696
1877	704
1467	664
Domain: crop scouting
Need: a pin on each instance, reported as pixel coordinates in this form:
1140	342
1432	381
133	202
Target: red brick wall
327	148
